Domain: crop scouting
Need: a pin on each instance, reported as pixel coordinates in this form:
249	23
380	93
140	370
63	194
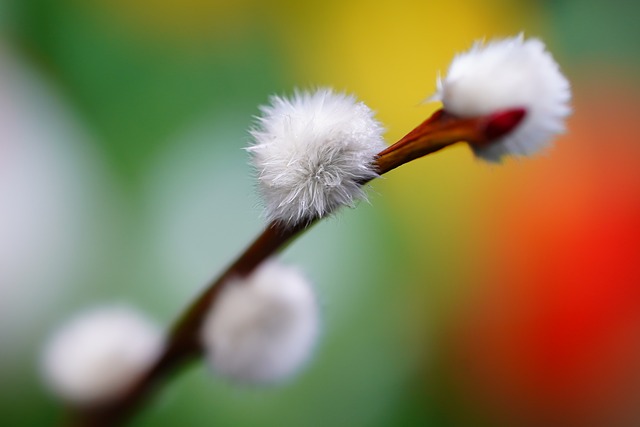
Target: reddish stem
440	130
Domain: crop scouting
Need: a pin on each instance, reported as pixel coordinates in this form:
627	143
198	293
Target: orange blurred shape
554	339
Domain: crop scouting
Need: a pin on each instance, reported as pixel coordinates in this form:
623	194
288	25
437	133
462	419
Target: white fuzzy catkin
503	74
263	328
98	354
311	152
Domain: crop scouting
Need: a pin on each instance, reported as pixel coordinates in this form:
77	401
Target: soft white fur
311	151
100	353
262	328
503	74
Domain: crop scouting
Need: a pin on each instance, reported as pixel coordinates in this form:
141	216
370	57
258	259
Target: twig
437	132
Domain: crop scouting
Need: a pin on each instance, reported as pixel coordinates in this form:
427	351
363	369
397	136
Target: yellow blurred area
390	52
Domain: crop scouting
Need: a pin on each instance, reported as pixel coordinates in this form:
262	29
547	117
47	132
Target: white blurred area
200	209
51	209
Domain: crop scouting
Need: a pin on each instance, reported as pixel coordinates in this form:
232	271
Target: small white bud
100	353
504	74
311	153
262	328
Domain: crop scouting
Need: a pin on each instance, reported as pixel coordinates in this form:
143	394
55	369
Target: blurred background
463	295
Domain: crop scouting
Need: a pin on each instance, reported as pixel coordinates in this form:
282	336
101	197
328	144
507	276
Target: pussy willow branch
437	132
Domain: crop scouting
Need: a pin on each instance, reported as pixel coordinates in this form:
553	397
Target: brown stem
437	132
183	343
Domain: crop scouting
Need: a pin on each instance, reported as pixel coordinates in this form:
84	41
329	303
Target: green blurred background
463	295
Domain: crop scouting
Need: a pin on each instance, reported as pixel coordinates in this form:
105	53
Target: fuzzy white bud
100	353
312	152
504	74
262	328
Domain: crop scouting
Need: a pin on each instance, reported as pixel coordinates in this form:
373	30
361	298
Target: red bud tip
503	122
